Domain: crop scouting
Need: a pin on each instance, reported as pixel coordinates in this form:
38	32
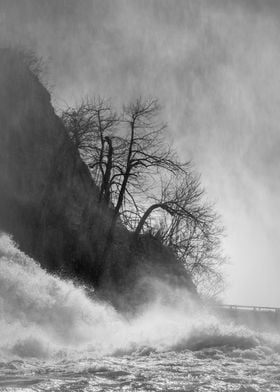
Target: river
55	338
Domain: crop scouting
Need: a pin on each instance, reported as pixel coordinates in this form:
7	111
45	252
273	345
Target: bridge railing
247	307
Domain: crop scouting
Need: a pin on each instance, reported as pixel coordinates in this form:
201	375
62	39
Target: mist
214	66
36	306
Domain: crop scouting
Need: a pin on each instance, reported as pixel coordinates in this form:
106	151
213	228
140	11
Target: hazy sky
215	66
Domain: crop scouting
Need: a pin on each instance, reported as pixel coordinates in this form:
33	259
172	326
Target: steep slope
48	200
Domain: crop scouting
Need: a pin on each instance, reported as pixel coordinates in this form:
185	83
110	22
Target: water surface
53	337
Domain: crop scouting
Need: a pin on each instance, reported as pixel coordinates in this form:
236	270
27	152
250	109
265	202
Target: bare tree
147	187
123	152
181	199
189	225
91	127
145	152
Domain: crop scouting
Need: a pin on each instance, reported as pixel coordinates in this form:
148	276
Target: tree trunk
105	187
145	217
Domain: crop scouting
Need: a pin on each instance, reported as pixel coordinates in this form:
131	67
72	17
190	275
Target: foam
44	316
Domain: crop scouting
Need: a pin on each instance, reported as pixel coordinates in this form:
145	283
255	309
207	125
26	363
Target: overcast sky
215	66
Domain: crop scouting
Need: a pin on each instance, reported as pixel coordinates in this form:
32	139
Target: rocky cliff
48	201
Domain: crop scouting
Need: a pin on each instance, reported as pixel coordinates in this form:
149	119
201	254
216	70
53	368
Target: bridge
248	307
261	318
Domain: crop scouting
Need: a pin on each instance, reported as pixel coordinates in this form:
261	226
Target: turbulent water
55	338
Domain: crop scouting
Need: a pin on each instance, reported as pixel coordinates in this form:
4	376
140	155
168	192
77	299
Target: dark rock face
48	200
46	190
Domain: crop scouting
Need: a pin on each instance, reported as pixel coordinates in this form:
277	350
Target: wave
44	316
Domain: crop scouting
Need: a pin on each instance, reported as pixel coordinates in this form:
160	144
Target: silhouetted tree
91	126
147	187
122	151
189	226
145	152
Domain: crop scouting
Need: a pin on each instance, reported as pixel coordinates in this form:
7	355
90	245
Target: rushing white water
54	337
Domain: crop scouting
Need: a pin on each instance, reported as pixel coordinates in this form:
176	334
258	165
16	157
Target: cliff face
48	200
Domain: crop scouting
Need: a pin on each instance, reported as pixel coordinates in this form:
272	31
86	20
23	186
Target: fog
214	66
